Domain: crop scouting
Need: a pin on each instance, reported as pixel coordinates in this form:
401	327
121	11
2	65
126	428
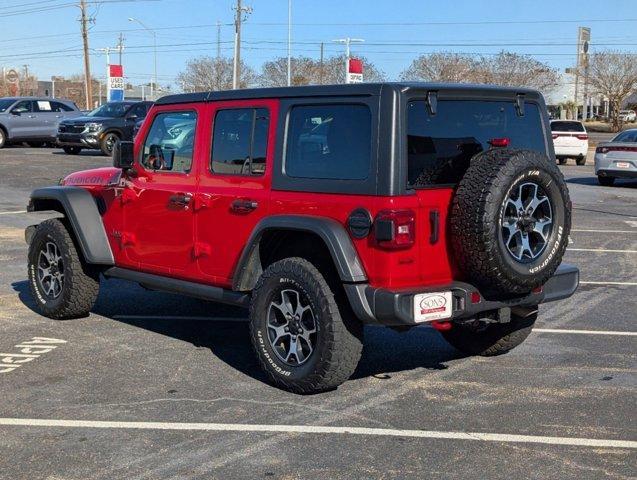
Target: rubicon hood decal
98	176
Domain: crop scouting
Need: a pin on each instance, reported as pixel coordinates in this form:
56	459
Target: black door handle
181	200
243	205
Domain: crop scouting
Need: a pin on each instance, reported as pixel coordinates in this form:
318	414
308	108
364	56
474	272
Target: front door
158	216
24	121
234	185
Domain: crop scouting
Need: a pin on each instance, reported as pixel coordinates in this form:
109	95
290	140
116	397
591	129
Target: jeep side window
440	146
170	142
329	142
240	141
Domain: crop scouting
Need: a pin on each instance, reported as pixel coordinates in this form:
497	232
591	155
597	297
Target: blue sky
395	31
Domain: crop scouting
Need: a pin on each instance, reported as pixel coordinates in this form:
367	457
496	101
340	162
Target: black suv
101	128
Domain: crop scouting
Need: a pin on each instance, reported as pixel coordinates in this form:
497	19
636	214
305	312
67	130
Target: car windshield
567	127
110	110
5	103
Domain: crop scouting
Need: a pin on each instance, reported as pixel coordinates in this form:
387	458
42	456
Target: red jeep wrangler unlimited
323	209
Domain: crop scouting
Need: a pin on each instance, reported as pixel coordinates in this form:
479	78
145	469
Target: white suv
627	116
570	141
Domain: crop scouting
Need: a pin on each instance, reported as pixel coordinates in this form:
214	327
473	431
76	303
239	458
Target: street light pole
289	42
154	33
347	41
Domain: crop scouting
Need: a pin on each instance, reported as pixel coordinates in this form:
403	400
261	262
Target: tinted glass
628	136
560	126
440	146
239	141
329	142
170	142
4	104
60	107
139	110
23	107
110	110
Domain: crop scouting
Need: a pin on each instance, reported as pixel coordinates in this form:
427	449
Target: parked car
324	208
617	158
570	140
101	128
33	119
627	116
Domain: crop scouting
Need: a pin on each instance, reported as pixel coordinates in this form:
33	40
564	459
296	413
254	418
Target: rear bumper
571	151
387	307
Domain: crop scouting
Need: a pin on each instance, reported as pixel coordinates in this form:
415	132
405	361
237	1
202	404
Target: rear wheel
581	161
72	150
606	181
304	342
62	285
490	339
108	142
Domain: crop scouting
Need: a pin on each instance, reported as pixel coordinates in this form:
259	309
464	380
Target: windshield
110	110
5	103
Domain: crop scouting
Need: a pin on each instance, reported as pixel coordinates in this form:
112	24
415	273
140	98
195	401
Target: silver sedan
617	158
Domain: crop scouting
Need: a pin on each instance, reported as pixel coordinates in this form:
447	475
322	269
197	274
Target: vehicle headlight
92	127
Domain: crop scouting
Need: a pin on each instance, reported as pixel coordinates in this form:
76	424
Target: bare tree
614	75
515	70
210	74
441	67
305	71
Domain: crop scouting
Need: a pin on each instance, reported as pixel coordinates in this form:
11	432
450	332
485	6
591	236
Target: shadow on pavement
592	181
224	330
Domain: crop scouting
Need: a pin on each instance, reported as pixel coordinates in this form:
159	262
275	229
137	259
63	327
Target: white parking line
599	250
609	283
381	432
584	332
17	212
602	231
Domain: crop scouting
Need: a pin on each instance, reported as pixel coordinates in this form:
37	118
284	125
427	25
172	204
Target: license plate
432	306
623	165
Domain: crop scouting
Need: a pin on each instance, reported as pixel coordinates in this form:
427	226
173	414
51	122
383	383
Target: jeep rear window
440	146
329	142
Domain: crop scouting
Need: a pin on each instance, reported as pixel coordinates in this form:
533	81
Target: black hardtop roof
352	89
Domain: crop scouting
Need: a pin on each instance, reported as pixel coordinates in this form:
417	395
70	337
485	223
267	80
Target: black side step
183	287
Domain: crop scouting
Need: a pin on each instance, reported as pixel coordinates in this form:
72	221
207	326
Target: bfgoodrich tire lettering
336	344
477	218
80	282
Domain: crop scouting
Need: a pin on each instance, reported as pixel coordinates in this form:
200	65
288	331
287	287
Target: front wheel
72	150
562	160
606	181
3	138
108	142
304	342
490	339
62	285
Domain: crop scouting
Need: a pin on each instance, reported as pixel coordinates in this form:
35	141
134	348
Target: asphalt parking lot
153	385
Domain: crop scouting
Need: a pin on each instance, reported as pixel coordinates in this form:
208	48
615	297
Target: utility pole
120	46
238	20
321	66
289	42
27	82
218	39
347	41
88	87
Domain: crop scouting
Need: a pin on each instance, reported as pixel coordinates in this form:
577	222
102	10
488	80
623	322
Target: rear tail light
615	149
602	150
555	135
395	229
499	142
582	136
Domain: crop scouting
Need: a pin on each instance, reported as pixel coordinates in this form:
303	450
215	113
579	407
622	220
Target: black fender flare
348	265
79	207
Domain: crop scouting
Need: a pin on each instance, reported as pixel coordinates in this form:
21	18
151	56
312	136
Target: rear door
158	214
47	118
234	184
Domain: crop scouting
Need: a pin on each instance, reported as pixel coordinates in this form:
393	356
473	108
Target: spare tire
510	220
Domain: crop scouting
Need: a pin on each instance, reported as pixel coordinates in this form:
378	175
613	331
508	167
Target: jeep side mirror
123	155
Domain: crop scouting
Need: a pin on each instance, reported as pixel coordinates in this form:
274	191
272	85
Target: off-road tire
81	281
581	161
475	221
562	161
105	142
72	150
3	138
339	335
606	181
492	339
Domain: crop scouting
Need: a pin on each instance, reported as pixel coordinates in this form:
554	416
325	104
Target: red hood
95	177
